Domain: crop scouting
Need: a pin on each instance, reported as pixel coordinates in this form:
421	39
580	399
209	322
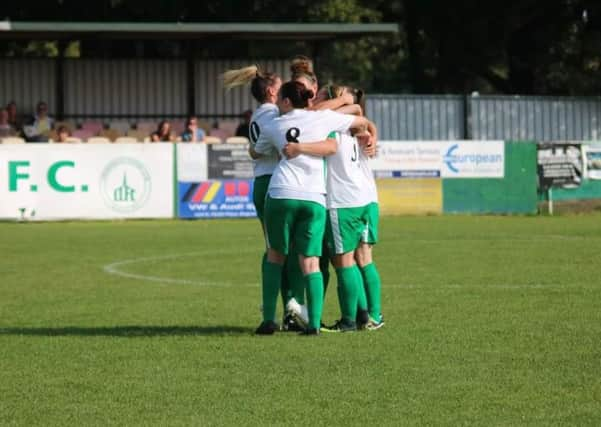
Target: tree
507	46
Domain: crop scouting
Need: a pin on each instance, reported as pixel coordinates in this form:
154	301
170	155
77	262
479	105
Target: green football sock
324	267
371	278
272	281
361	296
314	283
286	289
348	287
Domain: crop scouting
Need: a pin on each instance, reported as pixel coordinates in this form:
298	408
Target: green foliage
353	62
505	46
489	321
351	11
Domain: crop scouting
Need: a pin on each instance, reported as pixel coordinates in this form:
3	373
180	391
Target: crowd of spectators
42	127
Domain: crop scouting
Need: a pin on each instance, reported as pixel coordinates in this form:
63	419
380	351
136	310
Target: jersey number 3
354	156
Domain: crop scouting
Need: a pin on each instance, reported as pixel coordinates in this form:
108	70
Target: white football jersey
348	184
263	115
303	177
368	175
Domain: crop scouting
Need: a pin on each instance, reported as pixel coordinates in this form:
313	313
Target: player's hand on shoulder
291	150
367	143
370	150
347	98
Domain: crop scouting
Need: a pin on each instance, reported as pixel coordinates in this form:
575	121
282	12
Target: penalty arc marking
117	269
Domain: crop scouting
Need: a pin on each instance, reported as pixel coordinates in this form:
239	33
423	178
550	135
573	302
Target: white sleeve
264	144
338	122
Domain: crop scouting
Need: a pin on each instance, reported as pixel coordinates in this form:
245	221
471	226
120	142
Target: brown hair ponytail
301	66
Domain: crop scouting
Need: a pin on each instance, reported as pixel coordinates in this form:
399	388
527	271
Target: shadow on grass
129	331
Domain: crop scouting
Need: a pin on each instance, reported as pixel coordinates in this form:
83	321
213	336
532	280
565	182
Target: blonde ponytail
259	81
239	77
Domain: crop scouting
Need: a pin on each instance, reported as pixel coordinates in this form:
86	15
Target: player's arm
361	123
318	149
334	104
373	131
354	109
253	154
367	138
363	138
262	148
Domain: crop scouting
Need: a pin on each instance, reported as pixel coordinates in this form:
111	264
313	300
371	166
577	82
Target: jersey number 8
292	134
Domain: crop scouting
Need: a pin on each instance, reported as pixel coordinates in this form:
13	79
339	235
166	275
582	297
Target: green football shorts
259	193
347	227
295	221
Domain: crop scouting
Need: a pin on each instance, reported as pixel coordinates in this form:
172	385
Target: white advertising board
407	159
592	161
79	181
446	159
473	159
192	165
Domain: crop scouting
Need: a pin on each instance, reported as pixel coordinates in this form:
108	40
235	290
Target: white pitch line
539	238
491	287
114	269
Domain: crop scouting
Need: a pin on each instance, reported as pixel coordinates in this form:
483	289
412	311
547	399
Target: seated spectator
243	128
163	133
14	118
219	133
192	133
6	129
42	122
62	134
41	125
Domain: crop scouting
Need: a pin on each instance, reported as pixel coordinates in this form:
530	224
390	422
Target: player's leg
314	287
295	276
362	306
295	306
348	286
260	187
324	267
295	317
369	271
308	238
343	232
278	220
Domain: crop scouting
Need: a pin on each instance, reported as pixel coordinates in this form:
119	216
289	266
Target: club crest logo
125	185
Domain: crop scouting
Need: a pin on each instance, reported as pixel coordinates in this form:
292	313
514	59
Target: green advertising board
515	193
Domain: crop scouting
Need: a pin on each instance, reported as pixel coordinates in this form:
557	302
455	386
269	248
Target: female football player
264	86
352	223
301	70
295	205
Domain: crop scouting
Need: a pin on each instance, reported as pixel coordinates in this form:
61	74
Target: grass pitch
489	321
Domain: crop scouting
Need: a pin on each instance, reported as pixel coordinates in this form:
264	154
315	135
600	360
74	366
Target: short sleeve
338	122
264	144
